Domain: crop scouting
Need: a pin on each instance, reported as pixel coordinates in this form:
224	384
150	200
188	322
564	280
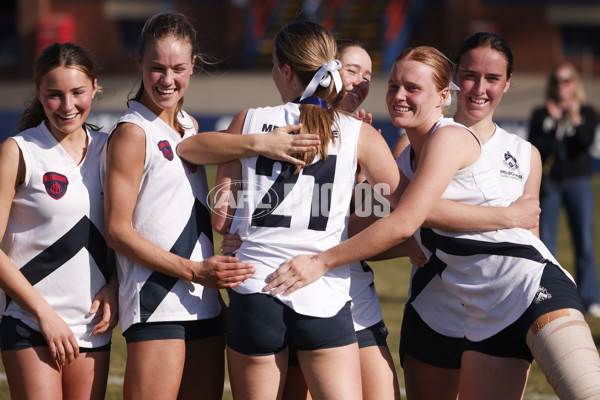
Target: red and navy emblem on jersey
191	168
166	149
56	184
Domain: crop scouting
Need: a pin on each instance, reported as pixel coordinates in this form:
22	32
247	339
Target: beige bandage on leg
562	345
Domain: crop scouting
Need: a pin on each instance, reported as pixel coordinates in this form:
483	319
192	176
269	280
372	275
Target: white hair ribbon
322	77
451	86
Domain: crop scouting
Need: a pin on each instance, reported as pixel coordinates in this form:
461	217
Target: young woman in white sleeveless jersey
56	272
485	270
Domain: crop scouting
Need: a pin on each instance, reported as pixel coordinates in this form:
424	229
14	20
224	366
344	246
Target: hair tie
314	100
323	77
451	86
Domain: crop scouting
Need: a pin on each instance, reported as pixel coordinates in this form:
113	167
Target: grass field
391	280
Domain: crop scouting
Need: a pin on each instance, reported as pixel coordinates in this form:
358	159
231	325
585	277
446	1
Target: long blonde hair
305	47
552	88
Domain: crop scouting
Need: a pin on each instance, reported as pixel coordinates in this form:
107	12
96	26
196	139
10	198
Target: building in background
239	33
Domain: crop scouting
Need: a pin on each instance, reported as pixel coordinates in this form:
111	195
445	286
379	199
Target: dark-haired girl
519	303
59	292
483	72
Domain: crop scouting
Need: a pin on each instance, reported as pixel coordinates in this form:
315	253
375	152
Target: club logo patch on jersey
542	295
165	147
55	184
510	161
191	168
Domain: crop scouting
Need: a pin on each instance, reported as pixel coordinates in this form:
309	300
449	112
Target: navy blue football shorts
16	335
260	324
184	330
556	292
419	341
374	335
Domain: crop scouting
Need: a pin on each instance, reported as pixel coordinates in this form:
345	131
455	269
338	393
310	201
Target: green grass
391	280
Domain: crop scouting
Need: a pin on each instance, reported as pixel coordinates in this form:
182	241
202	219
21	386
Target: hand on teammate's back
222	272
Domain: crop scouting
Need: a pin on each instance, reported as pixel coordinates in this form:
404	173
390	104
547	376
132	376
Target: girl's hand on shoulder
365	117
281	143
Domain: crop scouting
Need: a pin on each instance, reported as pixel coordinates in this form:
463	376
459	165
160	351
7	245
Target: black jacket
571	154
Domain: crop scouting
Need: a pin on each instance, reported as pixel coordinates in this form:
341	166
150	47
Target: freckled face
482	79
66	93
167	65
412	98
356	76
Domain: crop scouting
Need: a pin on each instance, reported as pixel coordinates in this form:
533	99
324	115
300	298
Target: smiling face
412	99
66	94
356	76
167	65
481	76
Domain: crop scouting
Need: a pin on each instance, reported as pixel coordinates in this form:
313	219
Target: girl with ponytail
280	209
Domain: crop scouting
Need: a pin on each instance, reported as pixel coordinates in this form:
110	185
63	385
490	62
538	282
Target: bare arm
377	164
522	213
223	211
379	167
409	248
443	156
364	217
457	217
445	153
453	216
220	147
124	168
61	341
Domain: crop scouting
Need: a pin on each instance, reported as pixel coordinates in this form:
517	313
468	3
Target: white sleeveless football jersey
365	307
510	156
55	231
441	310
436	305
483	270
172	213
282	214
